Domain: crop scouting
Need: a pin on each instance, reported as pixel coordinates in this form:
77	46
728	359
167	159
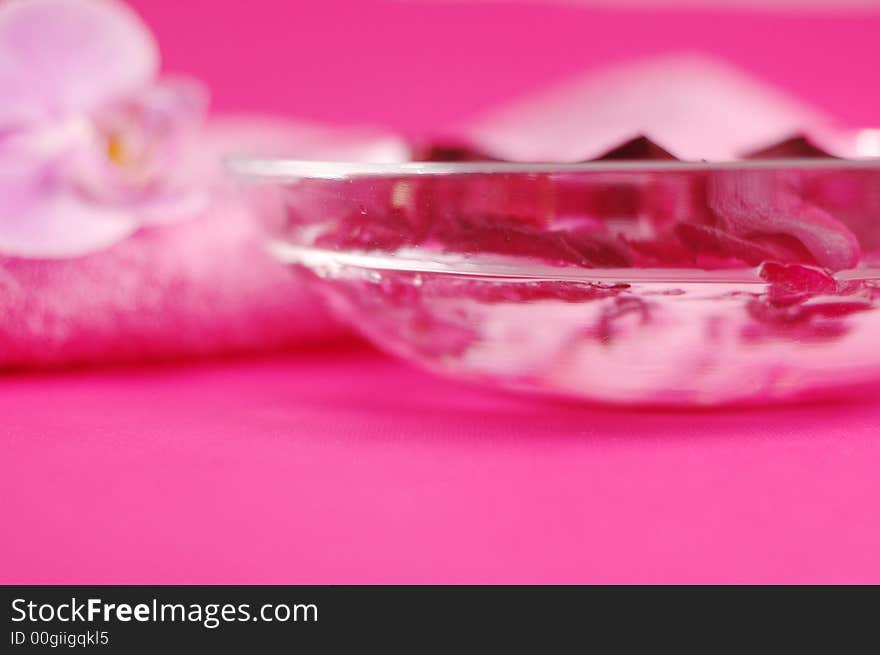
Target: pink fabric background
343	466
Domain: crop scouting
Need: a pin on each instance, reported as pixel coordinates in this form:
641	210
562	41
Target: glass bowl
638	282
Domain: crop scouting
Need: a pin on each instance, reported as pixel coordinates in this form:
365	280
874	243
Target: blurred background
423	65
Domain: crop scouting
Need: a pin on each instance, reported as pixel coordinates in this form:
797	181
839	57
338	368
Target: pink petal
65	57
155	130
763	204
798	277
49	223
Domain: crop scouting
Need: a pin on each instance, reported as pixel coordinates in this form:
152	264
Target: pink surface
348	467
351	468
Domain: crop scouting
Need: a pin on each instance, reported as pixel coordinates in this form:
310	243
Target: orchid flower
90	138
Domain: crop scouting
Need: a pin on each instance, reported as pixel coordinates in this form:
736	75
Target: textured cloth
198	286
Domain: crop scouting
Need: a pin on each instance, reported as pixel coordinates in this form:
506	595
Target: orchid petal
65	57
55	223
138	144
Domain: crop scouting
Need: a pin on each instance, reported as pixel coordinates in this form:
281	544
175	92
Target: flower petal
50	223
63	57
755	204
139	145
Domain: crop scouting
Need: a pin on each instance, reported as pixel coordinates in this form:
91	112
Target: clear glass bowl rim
279	170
